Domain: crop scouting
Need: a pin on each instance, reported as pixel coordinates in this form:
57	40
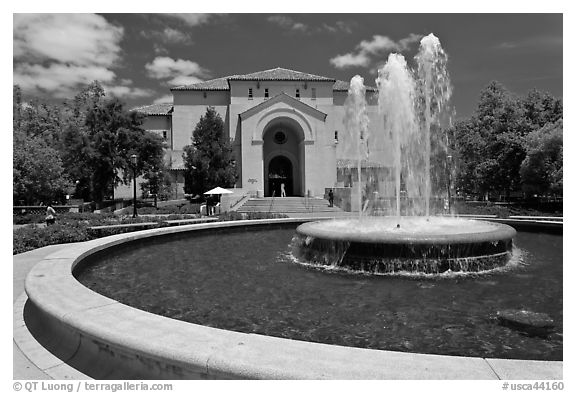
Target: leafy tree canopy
492	145
92	137
208	160
542	169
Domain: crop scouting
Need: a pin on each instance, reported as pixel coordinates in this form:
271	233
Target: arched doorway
280	172
283	154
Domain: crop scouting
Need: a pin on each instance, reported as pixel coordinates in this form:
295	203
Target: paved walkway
24	368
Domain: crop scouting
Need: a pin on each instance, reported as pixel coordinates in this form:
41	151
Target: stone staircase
287	205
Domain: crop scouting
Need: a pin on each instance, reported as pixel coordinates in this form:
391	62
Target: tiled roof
344	86
280	74
213	84
155	109
275	74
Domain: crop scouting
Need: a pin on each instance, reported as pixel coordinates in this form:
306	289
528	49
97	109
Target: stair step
287	205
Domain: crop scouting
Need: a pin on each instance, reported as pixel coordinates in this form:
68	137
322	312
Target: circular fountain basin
387	245
110	339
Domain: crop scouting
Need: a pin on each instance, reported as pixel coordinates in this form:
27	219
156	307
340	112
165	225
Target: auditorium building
284	126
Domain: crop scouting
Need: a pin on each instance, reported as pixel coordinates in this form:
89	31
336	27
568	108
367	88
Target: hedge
74	227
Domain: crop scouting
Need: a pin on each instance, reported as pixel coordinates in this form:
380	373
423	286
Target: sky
138	57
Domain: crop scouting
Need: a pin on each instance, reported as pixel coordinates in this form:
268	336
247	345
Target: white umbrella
218	191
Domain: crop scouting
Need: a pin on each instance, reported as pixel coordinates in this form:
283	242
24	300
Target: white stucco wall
189	107
159	125
319	150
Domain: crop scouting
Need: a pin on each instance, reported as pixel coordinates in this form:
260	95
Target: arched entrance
283	153
280	172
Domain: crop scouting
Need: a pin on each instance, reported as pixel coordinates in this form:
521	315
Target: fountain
412	106
110	309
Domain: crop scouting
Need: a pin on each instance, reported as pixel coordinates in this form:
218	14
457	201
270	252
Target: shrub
30	237
186	208
74	227
234	216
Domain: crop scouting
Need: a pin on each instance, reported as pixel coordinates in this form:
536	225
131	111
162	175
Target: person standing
50	215
282	190
331	198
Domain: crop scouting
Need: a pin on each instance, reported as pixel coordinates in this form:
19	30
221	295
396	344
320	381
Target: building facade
284	126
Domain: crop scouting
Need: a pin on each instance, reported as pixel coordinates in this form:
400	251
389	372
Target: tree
491	144
99	138
541	108
208	161
77	147
38	174
158	182
542	169
115	134
90	138
504	146
37	170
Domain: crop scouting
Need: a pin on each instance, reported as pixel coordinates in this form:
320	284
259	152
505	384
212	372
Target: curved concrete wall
107	339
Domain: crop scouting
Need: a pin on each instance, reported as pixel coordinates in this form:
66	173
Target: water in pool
247	281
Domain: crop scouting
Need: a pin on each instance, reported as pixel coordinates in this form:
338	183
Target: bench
189	221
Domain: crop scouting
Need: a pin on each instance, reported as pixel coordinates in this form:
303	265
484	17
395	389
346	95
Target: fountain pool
231	287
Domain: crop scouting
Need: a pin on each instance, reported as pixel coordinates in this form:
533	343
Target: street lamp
449	166
134	161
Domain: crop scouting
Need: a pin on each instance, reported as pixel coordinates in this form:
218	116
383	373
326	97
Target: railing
242	199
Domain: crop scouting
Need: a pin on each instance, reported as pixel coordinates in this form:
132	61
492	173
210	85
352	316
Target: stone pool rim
155	347
499	231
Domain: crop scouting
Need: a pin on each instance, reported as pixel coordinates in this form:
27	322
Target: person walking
331	198
50	215
282	190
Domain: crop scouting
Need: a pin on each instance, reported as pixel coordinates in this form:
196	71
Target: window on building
313	93
266	93
250	95
297	93
165	134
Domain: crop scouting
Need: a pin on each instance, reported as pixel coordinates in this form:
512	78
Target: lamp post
134	161
449	166
156	188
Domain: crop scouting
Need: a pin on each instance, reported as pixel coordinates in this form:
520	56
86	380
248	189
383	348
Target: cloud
180	72
406	42
168	36
350	60
287	23
182	80
126	91
164	67
58	53
338	27
290	24
191	19
80	39
176	36
61	80
168	98
377	45
368	50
